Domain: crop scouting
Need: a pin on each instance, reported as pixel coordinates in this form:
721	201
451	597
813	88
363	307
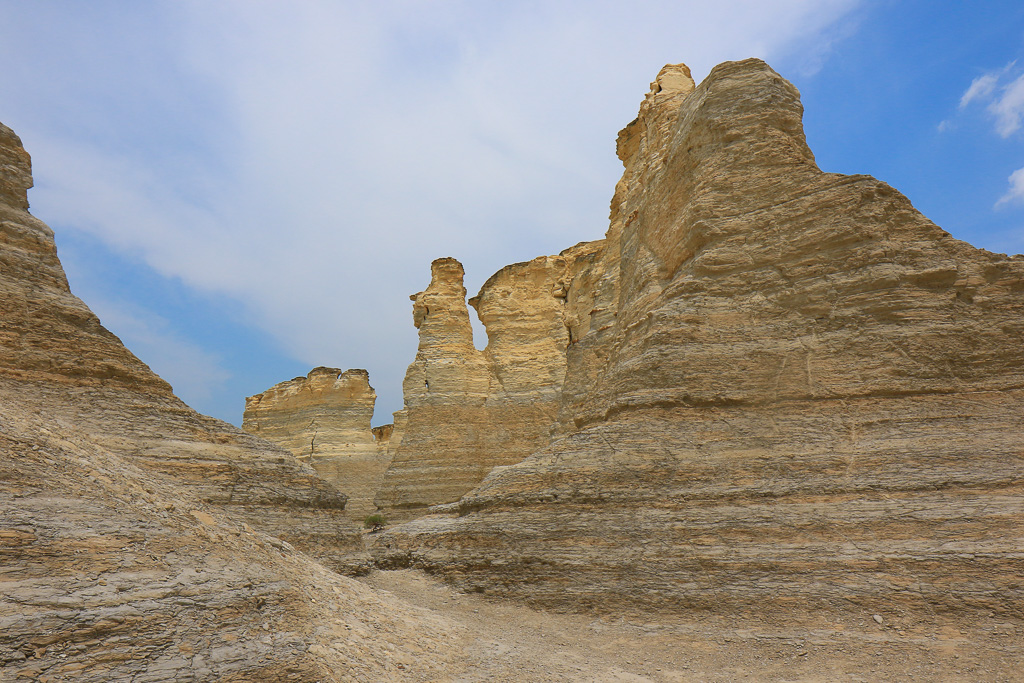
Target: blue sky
244	189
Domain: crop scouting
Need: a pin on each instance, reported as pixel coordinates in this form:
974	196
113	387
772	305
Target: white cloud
1004	97
310	159
982	86
1008	107
1016	192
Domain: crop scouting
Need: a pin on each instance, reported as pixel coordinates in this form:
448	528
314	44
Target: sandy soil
511	642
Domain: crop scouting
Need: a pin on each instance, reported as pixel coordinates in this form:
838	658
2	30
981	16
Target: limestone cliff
468	411
324	420
142	541
57	357
787	391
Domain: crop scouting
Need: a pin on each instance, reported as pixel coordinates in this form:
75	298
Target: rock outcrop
468	411
142	541
323	419
786	391
57	359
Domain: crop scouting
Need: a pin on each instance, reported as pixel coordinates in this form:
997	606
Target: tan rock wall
793	393
140	540
468	411
324	420
445	390
56	358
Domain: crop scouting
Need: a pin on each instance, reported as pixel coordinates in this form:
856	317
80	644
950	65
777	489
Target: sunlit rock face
140	540
445	389
786	391
324	420
466	410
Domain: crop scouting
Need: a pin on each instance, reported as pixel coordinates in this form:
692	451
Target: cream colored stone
140	540
324	420
468	411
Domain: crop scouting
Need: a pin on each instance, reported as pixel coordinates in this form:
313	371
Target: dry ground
511	642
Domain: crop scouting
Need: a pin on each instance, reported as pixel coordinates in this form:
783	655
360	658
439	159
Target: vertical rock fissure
325	418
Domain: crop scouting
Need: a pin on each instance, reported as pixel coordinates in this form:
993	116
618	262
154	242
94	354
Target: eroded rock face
324	420
57	358
140	540
468	411
434	458
114	572
786	391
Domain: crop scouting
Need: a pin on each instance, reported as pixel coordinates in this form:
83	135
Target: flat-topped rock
324	420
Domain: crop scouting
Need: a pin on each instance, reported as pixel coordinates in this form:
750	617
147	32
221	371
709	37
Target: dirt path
510	642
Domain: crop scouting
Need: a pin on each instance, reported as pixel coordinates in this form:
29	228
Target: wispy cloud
982	86
1016	192
1008	107
1002	92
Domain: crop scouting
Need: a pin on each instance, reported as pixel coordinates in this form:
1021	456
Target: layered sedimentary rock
56	357
324	420
142	541
787	391
434	458
110	571
467	411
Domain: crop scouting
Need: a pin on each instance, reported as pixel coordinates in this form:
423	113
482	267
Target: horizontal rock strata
142	541
57	358
787	391
112	572
324	420
467	411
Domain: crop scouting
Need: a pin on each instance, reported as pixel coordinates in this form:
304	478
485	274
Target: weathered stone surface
110	571
466	410
324	420
142	541
435	458
56	358
786	391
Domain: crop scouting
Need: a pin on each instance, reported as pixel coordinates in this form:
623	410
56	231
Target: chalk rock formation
788	391
142	541
56	357
324	420
434	458
467	411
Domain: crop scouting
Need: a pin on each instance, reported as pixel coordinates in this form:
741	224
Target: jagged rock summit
466	410
787	393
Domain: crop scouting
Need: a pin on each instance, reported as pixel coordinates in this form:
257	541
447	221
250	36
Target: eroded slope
142	541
